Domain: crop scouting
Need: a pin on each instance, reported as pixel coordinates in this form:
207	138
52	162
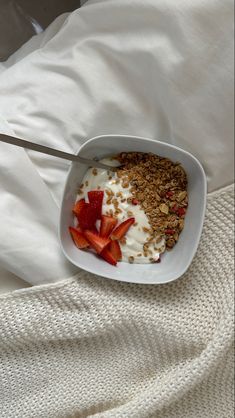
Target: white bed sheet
161	69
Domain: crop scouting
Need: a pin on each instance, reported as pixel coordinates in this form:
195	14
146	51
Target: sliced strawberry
78	238
94	195
108	256
78	228
95	241
175	208
169	231
95	230
108	223
115	249
169	194
135	202
122	229
78	206
87	216
181	212
96	199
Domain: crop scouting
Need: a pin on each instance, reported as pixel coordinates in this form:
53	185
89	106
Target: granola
159	186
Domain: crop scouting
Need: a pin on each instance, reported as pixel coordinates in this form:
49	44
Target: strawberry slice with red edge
108	224
96	199
78	238
112	253
115	249
135	202
169	194
87	216
169	231
78	206
181	212
95	241
108	256
175	208
122	229
77	228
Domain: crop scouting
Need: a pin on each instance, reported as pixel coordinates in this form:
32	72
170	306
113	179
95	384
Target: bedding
92	347
160	69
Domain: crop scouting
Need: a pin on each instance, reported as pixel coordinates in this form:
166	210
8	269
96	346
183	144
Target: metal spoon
51	151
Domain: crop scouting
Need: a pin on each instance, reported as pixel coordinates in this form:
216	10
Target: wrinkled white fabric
29	219
160	69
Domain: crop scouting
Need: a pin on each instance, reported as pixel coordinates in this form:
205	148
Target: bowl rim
204	195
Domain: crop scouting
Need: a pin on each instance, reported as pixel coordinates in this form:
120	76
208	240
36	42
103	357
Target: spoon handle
51	151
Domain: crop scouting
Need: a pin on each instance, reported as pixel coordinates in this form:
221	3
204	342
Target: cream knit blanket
92	347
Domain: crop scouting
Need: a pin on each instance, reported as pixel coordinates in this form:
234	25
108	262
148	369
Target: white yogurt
135	237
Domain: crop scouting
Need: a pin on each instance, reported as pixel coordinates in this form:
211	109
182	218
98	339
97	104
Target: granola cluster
160	187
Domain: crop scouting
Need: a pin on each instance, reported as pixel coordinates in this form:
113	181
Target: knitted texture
92	347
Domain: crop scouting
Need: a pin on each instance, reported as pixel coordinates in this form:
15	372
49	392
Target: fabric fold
29	245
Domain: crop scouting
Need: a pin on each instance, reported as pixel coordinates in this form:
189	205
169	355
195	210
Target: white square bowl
175	262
